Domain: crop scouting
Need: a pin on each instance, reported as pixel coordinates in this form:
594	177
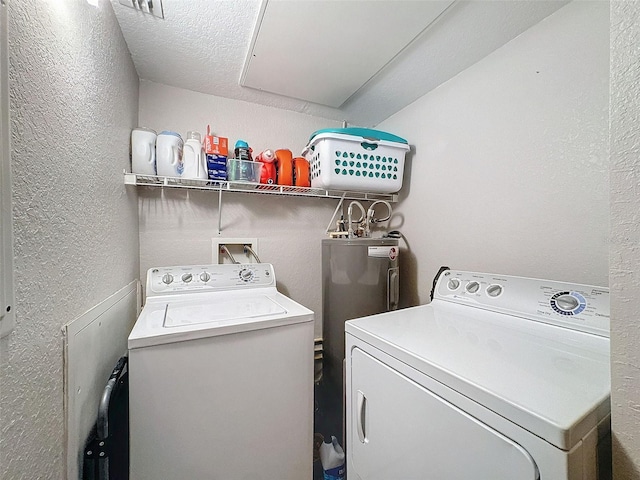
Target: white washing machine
499	377
221	377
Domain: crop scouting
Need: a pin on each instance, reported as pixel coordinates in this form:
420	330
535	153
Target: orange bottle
301	172
284	166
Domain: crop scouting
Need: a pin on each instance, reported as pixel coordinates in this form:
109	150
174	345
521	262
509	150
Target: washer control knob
473	287
167	278
246	274
453	284
494	290
567	303
187	277
205	277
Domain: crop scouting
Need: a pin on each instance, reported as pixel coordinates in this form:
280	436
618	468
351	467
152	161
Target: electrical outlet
236	250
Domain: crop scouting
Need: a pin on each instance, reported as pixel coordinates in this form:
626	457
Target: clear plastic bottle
243	166
242	151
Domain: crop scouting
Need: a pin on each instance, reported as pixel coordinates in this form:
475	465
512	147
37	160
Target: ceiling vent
151	7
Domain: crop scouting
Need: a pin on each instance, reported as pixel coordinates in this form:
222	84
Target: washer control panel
197	278
581	307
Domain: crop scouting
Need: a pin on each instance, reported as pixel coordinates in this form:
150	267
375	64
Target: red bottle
268	173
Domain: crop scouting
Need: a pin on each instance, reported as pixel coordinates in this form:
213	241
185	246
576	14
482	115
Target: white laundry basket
356	159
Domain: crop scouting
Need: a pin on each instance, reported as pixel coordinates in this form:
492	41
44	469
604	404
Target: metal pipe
335	212
350	219
371	211
247	248
225	250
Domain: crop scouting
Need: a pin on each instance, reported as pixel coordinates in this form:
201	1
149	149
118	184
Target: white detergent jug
143	151
194	158
169	154
332	459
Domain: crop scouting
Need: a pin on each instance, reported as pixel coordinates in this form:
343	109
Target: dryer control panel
207	278
576	306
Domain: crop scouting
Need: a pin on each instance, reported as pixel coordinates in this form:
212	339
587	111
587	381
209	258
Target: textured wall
74	98
625	237
176	227
509	168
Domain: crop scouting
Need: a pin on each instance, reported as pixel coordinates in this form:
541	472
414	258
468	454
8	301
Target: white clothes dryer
499	377
221	377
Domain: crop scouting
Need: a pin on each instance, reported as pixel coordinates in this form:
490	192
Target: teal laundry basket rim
365	133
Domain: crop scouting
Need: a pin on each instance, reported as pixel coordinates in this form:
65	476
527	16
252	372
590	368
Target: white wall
509	167
176	227
625	238
74	99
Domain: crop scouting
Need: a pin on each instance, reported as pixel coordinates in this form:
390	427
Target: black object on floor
106	454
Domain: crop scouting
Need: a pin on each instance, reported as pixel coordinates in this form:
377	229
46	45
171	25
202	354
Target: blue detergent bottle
332	458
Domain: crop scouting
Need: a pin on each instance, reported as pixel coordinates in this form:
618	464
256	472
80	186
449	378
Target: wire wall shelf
245	187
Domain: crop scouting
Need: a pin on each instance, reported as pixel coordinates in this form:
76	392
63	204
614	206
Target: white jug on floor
332	459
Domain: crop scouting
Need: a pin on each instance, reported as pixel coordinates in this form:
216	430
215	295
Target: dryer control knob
187	277
473	287
494	290
205	277
167	278
453	284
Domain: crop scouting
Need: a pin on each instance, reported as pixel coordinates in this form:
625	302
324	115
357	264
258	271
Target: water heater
360	277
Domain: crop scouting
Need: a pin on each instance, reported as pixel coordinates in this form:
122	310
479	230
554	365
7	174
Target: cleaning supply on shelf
169	147
193	157
332	459
143	151
216	150
301	172
268	173
242	168
242	151
284	167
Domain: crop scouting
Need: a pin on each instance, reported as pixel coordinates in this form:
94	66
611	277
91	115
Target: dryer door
401	430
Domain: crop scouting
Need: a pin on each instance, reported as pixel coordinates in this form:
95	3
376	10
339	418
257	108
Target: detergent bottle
193	157
268	172
332	458
284	166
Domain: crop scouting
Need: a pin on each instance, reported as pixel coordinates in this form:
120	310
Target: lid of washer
552	381
193	316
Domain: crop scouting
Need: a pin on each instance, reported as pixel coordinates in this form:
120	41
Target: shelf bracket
219	209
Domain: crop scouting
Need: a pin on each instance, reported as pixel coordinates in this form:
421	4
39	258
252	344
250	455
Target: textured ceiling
201	45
